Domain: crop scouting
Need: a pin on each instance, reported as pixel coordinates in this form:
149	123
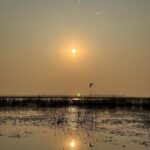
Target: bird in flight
91	84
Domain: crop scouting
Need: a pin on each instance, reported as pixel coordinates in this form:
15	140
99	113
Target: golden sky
112	39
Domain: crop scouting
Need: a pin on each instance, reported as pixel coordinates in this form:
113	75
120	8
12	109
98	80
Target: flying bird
91	84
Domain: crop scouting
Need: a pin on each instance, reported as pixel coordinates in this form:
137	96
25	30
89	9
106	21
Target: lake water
73	128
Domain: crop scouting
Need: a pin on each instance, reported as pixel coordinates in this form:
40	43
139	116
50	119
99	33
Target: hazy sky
112	38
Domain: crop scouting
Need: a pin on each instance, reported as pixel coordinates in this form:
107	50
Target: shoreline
86	101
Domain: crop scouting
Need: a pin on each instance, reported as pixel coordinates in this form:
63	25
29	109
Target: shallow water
74	128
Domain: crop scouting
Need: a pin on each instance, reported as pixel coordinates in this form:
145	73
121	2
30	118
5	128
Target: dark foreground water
74	128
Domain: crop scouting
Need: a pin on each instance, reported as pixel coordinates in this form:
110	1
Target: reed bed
102	102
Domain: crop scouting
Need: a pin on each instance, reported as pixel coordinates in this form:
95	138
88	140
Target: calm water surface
74	128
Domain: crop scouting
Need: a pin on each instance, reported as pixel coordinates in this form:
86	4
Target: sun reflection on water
72	144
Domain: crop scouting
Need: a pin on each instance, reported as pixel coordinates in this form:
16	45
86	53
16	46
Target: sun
74	50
